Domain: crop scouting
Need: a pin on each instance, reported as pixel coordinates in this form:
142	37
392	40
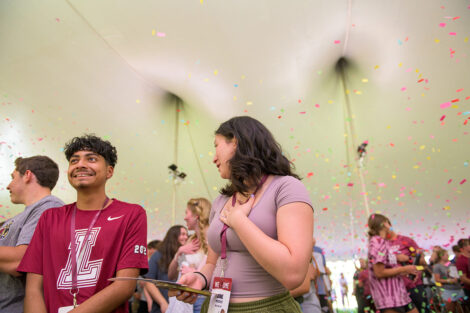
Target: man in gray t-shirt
31	185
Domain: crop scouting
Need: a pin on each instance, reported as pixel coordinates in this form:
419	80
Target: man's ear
28	177
109	172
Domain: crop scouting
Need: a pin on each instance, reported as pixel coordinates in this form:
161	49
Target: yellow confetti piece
422	147
438	284
376	67
235	98
137	101
437	40
466	39
417	71
216	72
400	64
330	101
365	80
249	103
420	267
243	76
153	32
446	208
412	249
394	176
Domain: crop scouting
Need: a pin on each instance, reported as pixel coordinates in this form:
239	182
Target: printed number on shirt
140	249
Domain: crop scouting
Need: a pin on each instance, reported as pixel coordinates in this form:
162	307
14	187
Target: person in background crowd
175	237
358	290
343	286
406	253
323	281
364	283
311	304
191	256
456	250
31	184
447	276
463	264
142	301
78	247
385	275
266	220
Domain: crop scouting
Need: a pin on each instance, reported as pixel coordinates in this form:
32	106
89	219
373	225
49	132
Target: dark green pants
282	303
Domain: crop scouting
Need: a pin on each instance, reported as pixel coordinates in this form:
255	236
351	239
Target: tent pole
341	67
175	161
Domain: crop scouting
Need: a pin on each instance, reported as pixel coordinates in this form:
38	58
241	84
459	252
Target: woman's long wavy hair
257	153
376	223
168	247
200	207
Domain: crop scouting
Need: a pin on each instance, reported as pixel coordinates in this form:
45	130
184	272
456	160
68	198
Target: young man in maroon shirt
78	247
463	266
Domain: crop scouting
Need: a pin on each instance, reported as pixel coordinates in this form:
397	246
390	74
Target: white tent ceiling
108	67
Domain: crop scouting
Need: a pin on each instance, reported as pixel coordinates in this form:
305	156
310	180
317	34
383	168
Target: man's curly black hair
90	142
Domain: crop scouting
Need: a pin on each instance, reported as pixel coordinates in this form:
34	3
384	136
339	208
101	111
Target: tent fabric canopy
113	68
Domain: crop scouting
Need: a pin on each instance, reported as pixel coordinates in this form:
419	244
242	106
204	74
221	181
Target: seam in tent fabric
152	85
197	160
348	27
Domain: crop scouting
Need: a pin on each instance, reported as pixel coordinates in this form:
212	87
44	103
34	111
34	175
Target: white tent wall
108	67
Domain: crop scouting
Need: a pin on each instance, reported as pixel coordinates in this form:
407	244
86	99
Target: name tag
66	309
220	298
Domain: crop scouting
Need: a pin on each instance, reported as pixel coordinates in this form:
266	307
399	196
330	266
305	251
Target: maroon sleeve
33	258
462	265
133	253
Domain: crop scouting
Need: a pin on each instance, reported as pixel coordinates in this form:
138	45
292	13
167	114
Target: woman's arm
381	272
189	248
287	258
195	280
157	296
305	287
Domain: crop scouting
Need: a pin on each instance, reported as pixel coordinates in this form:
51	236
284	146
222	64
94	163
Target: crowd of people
252	247
395	277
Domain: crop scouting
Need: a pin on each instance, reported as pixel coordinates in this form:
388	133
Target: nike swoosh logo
114	218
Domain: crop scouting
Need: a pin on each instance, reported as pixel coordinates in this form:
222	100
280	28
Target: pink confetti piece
302	112
161	34
445	105
450	180
459	90
456	18
403	88
382	185
317	105
58	20
452	33
337	41
309	174
442	118
350	184
442	24
463	181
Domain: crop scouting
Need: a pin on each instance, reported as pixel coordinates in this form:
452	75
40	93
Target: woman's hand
402	258
410	269
192	280
187	269
190	247
229	214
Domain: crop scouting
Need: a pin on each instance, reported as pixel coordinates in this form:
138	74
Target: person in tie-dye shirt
386	283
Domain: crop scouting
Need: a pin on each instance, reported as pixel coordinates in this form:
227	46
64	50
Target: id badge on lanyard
221	286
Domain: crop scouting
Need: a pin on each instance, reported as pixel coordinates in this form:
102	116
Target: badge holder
221	289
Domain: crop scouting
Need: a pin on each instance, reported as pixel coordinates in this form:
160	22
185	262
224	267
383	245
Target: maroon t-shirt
463	265
407	246
116	241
